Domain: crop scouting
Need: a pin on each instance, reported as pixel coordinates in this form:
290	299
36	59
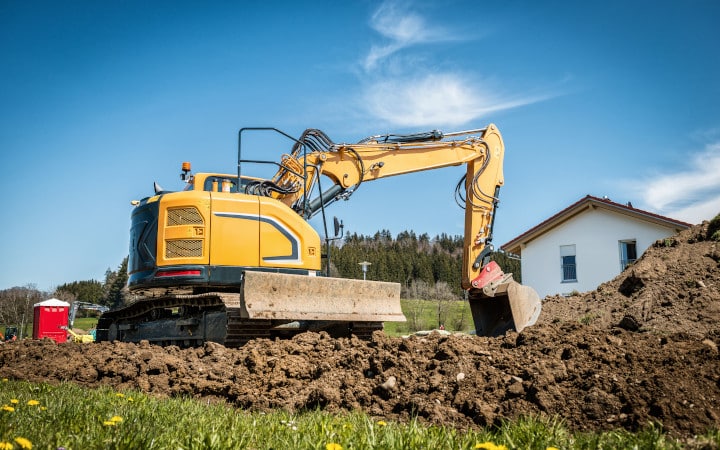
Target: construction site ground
641	348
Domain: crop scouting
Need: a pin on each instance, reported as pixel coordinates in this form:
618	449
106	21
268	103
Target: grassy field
66	416
85	323
430	314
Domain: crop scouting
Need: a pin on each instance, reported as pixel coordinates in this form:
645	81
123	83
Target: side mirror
338	227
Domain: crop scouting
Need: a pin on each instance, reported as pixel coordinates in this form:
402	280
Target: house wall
596	234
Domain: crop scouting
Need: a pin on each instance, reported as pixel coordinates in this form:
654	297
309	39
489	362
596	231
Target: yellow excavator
233	257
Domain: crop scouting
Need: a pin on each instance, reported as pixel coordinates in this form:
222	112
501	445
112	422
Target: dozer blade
267	295
504	305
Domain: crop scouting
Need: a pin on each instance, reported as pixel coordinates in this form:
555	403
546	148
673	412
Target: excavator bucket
499	304
267	295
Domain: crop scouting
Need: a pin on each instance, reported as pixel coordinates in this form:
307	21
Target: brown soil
641	348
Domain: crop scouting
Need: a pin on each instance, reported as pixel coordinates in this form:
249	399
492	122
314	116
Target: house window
567	264
628	253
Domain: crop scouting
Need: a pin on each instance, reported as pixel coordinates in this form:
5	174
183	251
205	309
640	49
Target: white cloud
409	90
434	99
692	194
402	28
699	211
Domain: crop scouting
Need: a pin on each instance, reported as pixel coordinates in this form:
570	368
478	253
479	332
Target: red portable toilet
51	320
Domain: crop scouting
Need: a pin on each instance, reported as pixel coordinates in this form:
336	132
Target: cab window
220	184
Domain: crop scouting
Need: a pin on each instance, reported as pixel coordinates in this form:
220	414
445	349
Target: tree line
426	268
16	303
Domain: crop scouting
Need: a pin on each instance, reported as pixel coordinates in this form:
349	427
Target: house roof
585	203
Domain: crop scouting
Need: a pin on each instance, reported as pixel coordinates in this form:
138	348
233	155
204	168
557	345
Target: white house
586	244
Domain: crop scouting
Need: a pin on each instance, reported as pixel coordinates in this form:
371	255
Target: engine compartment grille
184	216
183	248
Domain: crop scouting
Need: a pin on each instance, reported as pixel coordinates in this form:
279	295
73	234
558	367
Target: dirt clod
640	348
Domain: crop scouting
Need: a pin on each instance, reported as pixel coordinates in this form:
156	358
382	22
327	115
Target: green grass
85	323
70	417
429	314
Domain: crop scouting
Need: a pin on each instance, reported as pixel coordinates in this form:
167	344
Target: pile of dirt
642	348
674	287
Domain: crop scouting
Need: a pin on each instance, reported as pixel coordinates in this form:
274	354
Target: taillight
179	273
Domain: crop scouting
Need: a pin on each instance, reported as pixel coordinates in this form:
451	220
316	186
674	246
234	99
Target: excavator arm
477	191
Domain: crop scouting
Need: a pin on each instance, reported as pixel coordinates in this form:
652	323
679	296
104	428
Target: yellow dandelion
333	446
490	446
24	443
33	402
116	419
14	401
382	423
6	445
109	423
120	394
43	408
552	448
8	408
5	380
130	399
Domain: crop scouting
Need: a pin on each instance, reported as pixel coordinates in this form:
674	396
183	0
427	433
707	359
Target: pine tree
86	291
116	285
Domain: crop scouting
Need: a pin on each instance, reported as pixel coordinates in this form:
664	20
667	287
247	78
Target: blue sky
100	99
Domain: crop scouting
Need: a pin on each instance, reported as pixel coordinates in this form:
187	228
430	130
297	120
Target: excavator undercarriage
267	305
